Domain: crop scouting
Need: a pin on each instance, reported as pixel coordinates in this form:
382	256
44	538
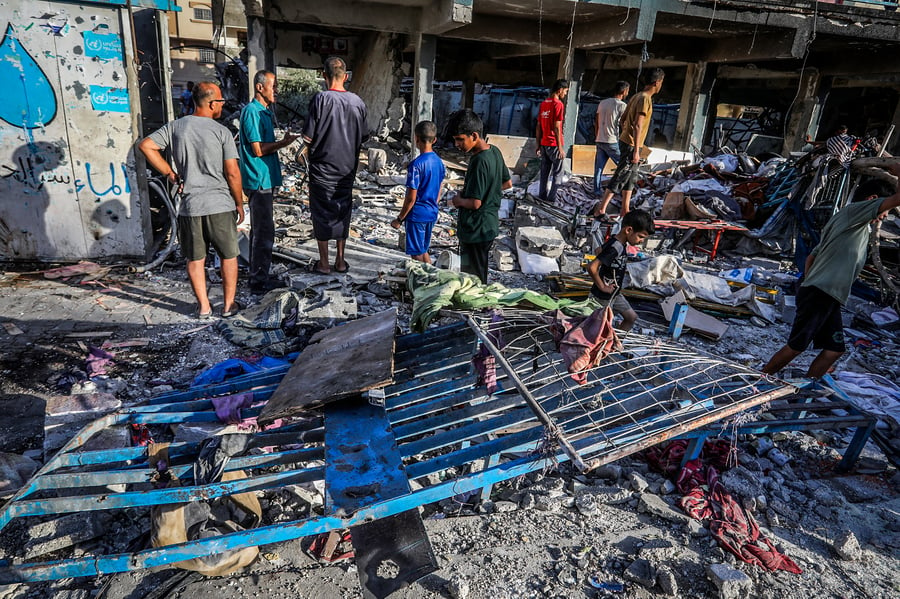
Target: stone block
642	572
731	583
667	582
847	546
571	264
653	504
638	482
543	241
59	533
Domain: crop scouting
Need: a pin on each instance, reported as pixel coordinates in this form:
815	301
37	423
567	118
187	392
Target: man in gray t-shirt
205	167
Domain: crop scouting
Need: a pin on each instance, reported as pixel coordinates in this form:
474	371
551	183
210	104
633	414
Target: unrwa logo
94	44
100	97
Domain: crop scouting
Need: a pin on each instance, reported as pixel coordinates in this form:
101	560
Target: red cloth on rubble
706	498
585	344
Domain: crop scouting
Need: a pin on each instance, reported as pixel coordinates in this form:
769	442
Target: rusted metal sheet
338	362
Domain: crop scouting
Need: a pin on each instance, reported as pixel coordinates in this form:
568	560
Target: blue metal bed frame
439	419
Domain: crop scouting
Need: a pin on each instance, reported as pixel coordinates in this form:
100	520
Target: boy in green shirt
479	201
830	271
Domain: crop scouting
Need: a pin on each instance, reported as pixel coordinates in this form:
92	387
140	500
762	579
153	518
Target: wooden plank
517	151
339	362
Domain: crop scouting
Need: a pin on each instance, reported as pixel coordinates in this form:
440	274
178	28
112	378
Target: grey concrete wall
67	185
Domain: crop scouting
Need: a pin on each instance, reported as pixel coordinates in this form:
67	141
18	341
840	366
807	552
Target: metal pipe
545	419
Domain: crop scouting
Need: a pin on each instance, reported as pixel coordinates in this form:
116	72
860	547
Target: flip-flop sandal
235	308
345	269
204	315
313	269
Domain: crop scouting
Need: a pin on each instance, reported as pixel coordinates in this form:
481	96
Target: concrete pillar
468	93
258	55
803	111
571	68
695	100
423	83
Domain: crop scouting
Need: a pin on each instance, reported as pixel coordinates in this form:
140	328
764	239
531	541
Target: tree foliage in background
296	87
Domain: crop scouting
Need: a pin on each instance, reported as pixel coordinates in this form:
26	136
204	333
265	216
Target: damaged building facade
806	67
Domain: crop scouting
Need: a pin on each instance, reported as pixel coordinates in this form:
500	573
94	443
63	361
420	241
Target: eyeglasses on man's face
215	101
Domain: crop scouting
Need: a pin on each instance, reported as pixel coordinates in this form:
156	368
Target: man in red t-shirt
550	138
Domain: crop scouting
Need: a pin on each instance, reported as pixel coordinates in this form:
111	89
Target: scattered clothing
706	498
228	408
97	361
586	343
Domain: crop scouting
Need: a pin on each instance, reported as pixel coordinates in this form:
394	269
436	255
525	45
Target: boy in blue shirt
423	189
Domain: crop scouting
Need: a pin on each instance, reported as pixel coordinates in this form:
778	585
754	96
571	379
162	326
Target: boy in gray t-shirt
206	170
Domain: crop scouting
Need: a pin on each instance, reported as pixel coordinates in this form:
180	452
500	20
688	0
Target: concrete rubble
554	534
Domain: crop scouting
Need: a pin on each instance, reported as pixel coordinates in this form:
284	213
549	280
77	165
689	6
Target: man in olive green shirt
479	202
830	271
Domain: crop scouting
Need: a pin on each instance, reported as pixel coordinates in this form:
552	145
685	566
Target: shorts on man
196	233
818	321
628	172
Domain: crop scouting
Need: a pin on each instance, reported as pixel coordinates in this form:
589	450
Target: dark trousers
262	235
551	166
473	258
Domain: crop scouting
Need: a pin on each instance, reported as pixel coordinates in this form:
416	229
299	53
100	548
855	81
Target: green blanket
434	288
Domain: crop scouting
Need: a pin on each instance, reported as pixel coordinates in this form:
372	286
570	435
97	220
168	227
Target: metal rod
533	403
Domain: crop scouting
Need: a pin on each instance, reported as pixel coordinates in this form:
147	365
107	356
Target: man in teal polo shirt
261	174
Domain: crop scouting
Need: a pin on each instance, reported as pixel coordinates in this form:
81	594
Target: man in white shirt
606	124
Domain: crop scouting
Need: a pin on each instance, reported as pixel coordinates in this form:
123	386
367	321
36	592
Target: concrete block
847	546
544	241
532	216
638	482
503	258
571	264
641	572
731	583
667	582
95	404
15	470
653	504
59	533
377	160
787	306
335	306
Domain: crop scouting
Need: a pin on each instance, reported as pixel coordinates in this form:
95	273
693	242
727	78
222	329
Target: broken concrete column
377	72
731	583
423	81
